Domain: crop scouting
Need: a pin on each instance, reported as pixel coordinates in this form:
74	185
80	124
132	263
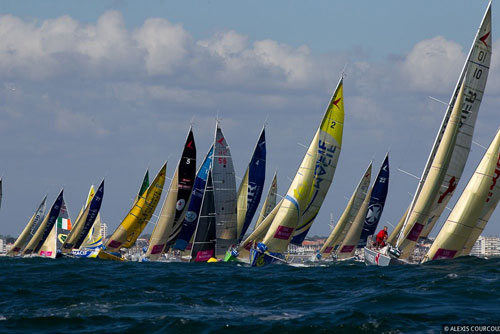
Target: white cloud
433	65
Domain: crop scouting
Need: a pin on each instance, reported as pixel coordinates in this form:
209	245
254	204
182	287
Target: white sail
474	202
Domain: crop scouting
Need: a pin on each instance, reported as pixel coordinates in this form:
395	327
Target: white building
486	246
2	246
104	230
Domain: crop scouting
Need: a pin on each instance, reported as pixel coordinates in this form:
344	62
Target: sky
106	89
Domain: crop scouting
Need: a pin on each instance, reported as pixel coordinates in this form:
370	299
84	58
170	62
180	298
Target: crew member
381	238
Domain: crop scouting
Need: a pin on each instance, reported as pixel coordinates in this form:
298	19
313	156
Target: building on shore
486	246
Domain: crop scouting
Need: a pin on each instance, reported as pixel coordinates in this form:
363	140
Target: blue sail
189	222
256	179
377	202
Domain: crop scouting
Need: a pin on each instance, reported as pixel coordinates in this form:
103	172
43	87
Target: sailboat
175	204
251	187
191	218
204	241
45	227
84	223
449	154
306	186
58	234
29	230
134	223
346	220
472	210
224	185
377	203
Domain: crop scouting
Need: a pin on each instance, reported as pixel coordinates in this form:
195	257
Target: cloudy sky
108	88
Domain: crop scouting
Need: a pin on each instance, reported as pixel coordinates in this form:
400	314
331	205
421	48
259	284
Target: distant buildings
486	246
2	246
104	230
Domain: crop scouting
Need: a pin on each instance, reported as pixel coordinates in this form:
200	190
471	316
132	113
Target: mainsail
338	233
134	223
224	183
328	151
203	247
471	82
85	222
377	202
251	187
94	239
420	209
269	203
29	230
45	227
191	217
479	198
176	202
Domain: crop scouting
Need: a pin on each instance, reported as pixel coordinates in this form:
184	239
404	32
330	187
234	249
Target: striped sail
45	227
134	223
420	209
224	183
339	232
203	247
472	81
269	203
251	187
289	213
377	202
479	197
29	230
328	151
191	217
85	223
347	248
176	202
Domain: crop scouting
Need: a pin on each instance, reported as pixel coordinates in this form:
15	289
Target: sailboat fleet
205	217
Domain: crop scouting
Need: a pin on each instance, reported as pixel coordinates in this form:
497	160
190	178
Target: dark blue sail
256	179
377	202
189	222
53	213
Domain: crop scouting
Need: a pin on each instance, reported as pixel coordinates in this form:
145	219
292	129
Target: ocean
95	296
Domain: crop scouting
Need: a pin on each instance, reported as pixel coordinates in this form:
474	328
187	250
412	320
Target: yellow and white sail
134	223
343	225
348	246
475	201
269	203
328	149
423	202
242	203
29	230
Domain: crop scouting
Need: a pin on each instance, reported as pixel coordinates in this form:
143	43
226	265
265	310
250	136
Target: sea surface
96	296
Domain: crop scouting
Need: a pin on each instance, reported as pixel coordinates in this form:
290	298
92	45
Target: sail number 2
333	124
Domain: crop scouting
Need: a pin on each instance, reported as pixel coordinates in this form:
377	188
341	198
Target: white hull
376	258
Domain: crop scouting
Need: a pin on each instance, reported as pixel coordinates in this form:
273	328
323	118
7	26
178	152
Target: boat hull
375	258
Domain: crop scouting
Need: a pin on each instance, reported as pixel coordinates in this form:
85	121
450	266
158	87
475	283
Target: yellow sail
165	221
350	212
241	205
94	238
348	246
258	234
134	223
290	211
269	203
49	247
422	204
470	207
328	151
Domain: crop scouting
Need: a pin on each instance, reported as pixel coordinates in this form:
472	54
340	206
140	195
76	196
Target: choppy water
94	296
